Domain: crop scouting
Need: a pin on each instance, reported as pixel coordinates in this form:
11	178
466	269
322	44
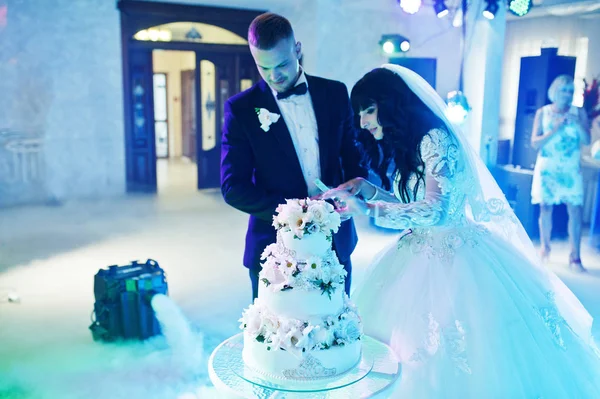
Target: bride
461	296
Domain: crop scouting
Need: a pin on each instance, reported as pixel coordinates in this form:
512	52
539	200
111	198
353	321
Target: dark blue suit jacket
259	169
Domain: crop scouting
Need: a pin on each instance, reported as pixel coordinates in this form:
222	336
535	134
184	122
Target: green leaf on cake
326	288
260	338
267	282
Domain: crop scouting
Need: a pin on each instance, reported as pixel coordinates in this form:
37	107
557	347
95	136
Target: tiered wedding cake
302	325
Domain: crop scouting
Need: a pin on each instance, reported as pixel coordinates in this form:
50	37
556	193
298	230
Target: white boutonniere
266	118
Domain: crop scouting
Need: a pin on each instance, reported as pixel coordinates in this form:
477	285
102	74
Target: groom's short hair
268	29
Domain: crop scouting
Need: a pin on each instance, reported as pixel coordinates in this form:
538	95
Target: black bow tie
299	90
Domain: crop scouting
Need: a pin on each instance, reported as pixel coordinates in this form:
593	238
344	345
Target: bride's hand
357	206
358	187
338	198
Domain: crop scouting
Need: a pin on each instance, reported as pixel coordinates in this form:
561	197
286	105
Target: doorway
179	75
189	115
174	120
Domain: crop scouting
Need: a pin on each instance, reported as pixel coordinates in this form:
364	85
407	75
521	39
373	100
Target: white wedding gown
469	314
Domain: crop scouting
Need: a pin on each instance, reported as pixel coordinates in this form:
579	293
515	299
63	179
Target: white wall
348	41
60	86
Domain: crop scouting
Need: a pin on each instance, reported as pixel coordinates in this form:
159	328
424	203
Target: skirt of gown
471	317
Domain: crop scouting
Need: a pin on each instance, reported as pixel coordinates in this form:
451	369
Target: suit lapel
279	129
321	108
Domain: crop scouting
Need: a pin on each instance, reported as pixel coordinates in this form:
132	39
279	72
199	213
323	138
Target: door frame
137	15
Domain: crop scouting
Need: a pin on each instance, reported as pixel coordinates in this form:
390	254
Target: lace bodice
441	199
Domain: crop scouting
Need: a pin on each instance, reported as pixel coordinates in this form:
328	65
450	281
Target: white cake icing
281	364
302	325
302	304
316	244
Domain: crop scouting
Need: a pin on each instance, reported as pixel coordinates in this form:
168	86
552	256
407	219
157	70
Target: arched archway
190	32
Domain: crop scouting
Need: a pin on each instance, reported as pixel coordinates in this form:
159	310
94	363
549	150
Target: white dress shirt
299	116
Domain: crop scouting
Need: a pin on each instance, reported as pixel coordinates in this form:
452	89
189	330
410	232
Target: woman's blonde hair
561	80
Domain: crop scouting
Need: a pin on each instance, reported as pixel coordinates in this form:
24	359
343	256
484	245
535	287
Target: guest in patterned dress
559	131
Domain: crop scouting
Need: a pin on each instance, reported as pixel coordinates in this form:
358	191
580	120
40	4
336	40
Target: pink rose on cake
271	275
270	323
324	216
320	212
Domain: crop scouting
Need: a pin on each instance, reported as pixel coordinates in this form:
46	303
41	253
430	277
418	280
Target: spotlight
410	6
519	7
458	107
388	47
440	8
394	44
491	9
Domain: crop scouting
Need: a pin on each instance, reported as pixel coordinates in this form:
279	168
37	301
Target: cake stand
372	377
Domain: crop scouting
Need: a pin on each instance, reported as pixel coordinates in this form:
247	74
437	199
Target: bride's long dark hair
405	120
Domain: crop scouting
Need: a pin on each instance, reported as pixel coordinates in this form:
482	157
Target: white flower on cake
271	275
313	267
252	321
349	328
313	228
306	216
329	321
323	336
306	338
269	250
297	336
289	267
276	342
281	271
314	270
294	339
270	323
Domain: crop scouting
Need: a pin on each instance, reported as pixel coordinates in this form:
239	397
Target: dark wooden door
220	76
188	113
140	142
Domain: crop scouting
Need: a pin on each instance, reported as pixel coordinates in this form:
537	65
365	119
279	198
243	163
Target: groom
280	135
